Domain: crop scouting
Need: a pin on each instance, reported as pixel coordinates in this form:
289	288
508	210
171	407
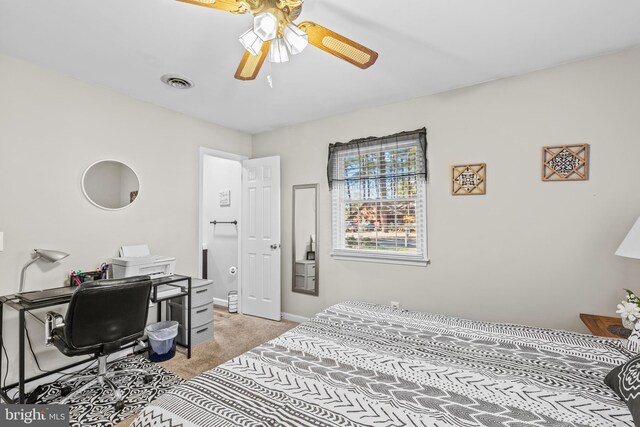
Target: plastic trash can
162	340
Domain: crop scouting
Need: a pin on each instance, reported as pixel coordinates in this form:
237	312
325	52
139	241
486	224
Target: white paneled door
260	276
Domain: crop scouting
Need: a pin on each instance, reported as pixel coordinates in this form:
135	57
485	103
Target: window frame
338	233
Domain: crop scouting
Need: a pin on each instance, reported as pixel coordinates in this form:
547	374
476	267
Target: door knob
275	246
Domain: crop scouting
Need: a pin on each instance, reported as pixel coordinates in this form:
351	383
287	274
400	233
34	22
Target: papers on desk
165	291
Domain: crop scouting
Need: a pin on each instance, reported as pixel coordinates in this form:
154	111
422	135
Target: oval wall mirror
110	184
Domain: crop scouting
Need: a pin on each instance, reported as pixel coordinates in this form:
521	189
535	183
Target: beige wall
529	251
51	128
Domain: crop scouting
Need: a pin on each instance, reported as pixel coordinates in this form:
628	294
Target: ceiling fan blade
250	64
232	6
338	45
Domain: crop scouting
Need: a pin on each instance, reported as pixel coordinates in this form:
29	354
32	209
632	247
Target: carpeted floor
233	334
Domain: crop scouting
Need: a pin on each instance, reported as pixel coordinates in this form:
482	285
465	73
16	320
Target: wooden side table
605	326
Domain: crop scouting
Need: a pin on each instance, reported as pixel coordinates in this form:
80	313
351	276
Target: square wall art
468	179
565	163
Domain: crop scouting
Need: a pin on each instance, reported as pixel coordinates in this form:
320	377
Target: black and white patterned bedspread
360	364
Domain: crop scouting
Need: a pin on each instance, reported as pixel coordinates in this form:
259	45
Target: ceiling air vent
176	82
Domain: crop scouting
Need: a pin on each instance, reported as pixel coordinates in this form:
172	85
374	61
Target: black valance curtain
357	151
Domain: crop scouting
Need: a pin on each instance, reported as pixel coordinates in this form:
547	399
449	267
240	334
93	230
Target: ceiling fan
275	35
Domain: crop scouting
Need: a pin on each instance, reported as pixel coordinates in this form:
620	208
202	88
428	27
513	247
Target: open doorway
240	230
220	202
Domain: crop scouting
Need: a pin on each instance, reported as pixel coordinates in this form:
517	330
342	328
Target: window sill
377	258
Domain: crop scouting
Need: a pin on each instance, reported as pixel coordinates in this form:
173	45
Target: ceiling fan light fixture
275	37
295	38
265	25
278	51
251	42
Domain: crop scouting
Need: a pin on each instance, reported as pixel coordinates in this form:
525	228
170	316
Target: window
379	198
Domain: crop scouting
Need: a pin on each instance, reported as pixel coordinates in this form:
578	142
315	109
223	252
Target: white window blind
379	198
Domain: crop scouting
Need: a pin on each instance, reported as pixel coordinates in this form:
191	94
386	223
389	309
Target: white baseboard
221	301
294	317
286	316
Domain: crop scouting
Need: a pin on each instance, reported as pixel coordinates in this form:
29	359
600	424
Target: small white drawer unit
306	275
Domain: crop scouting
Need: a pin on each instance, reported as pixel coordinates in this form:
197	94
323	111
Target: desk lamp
45	254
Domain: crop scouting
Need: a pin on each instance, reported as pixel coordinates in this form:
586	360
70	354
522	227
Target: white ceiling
425	47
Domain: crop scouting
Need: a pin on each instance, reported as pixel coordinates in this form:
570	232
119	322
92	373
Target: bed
360	364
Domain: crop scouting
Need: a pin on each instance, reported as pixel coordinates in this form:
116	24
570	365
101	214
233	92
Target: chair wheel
65	391
147	378
119	405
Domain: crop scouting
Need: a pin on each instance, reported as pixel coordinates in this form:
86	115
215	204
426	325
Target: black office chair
102	317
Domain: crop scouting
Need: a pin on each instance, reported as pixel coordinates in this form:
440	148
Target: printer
137	261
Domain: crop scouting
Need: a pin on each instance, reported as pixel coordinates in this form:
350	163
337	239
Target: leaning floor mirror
305	239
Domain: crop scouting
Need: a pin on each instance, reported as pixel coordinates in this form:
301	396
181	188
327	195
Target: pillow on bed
633	342
625	381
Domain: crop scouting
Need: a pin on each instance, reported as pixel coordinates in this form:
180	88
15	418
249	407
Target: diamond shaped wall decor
565	163
468	179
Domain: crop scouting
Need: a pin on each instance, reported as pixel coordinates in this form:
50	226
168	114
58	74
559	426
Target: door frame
210	152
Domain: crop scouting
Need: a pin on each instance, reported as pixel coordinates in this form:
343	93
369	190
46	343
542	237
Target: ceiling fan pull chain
269	79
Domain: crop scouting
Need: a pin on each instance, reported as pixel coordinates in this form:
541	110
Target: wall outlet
395	304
